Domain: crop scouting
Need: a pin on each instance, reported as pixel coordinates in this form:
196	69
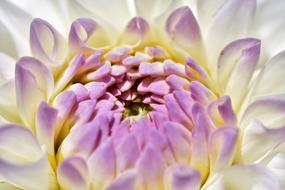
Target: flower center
136	109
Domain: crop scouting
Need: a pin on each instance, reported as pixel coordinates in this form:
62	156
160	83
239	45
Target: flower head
178	99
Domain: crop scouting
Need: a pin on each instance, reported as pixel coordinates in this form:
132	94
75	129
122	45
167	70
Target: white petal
115	13
22	161
269	110
19	28
244	177
51	11
8	106
8	45
7	67
269	80
73	174
277	166
152	9
259	142
231	21
269	25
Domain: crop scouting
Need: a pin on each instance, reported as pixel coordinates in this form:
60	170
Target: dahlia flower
142	95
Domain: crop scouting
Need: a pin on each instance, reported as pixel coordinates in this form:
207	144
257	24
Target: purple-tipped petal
156	52
221	112
153	69
184	34
175	112
72	174
96	89
102	165
46	118
201	93
183	28
46	43
100	73
200	133
236	65
182	177
64	103
34	83
127	153
269	110
179	141
22	161
74	68
150	167
232	20
256	134
80	91
177	83
195	72
222	147
126	181
87	36
136	32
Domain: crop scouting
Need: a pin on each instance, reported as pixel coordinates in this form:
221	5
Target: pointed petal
8	105
231	21
268	80
8	45
245	177
179	141
269	25
259	142
22	161
73	174
236	66
150	168
102	165
184	31
222	147
126	181
7	68
46	118
34	83
127	153
277	166
182	177
269	110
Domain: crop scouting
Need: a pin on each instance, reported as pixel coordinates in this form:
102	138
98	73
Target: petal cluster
156	108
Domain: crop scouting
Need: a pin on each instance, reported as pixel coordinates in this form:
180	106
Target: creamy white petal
115	13
231	21
18	28
8	45
269	25
50	11
7	67
244	177
269	110
22	161
269	80
259	142
277	166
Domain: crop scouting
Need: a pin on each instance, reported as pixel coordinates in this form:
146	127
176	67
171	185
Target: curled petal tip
136	32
